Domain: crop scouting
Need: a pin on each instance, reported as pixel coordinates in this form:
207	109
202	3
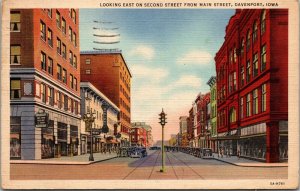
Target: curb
246	165
61	163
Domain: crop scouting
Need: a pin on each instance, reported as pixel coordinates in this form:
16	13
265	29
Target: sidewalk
75	160
234	160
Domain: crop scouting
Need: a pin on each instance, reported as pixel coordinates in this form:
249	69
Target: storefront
62	135
83	144
227	142
15	137
48	140
74	140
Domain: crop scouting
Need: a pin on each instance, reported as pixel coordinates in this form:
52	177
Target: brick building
109	73
141	134
44	76
252	85
203	126
190	127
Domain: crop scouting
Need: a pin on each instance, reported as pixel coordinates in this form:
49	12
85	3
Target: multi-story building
141	134
213	116
252	85
203	128
190	127
183	124
105	126
109	73
44	88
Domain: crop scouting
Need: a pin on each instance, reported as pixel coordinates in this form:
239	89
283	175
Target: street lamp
89	119
162	122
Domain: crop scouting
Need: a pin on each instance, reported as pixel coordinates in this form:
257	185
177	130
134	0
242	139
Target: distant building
203	126
141	134
183	124
213	110
110	74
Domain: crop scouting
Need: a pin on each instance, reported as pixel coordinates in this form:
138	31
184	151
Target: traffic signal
162	118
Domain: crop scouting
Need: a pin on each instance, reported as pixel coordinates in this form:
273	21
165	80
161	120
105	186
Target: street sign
41	119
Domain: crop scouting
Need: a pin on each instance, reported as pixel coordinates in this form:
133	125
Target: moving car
138	152
206	153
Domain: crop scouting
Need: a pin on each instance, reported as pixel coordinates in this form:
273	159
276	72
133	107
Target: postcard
137	94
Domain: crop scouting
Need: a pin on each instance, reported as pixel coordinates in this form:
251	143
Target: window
64	76
75	83
70	33
242	108
62	100
43	93
242	76
50	13
263	98
248	106
234	81
51	96
230	57
50	38
50	66
76	107
255	102
263	22
15	22
58	46
254	34
234	55
242	47
63	25
248	71
59	71
71	81
263	58
74	39
255	65
71	57
58	21
64	51
15	89
75	61
58	99
66	103
248	40
43	30
232	115
15	54
230	83
88	61
43	61
73	15
88	71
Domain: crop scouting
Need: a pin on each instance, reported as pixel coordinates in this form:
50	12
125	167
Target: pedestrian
238	154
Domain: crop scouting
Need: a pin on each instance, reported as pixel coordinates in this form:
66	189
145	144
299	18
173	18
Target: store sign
41	119
96	131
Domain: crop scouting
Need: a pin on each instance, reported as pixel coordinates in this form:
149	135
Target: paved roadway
178	166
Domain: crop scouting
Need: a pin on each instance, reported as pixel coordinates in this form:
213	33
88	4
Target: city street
178	166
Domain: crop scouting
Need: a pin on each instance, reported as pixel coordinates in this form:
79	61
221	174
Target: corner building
109	73
44	78
252	85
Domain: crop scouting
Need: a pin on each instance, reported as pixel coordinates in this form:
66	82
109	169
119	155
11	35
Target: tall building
44	88
213	110
183	125
252	85
203	128
109	73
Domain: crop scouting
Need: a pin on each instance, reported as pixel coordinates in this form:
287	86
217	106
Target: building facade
141	134
106	135
203	128
183	129
44	88
213	110
190	127
252	85
109	73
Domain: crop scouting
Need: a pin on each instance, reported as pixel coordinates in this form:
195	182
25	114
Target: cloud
195	57
146	52
186	81
148	73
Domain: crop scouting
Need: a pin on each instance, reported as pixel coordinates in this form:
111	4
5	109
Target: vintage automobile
138	152
206	153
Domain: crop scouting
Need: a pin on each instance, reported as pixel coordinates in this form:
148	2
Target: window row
125	117
62	50
122	103
62	75
61	24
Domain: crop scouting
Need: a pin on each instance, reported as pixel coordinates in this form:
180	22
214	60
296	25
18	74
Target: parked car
154	148
206	153
138	152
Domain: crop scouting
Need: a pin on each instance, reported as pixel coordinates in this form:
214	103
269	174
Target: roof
105	52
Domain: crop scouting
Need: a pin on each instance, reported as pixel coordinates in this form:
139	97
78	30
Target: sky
170	53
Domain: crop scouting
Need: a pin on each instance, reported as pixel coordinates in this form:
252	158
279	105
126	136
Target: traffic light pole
162	151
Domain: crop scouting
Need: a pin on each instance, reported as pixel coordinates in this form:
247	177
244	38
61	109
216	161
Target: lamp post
162	122
89	119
